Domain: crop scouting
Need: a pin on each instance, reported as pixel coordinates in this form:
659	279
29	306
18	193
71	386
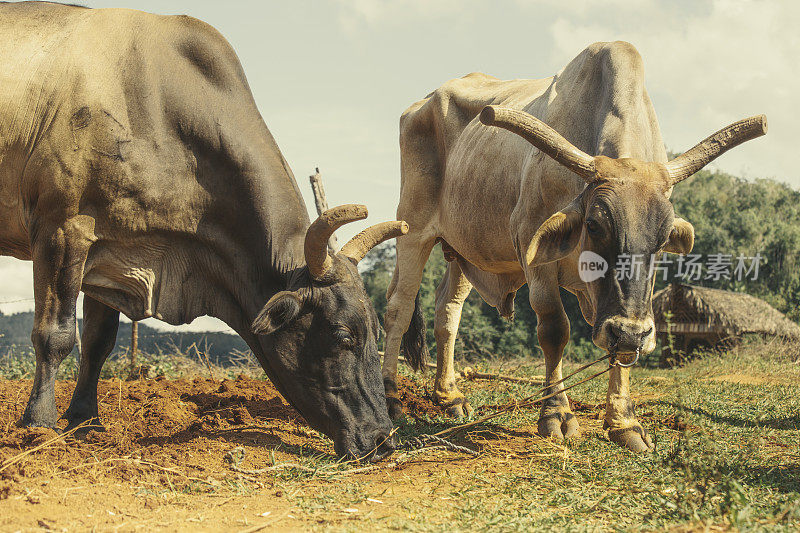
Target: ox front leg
450	295
556	419
620	419
58	260
100	324
401	296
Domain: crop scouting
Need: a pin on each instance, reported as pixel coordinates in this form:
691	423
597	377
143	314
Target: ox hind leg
59	255
100	325
412	254
450	295
556	419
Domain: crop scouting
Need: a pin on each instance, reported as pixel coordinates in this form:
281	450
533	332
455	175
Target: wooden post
79	353
134	343
321	202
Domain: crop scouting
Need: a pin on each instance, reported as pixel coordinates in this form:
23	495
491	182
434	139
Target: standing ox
134	166
520	207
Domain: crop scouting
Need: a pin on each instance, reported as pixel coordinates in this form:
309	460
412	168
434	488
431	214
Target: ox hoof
559	426
31	424
28	421
460	410
395	407
634	438
393	403
454	403
84	426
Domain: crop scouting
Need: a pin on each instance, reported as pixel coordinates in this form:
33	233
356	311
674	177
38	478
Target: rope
412	447
529	400
580	369
422	441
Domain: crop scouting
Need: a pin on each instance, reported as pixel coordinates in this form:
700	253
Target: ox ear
557	237
681	238
279	311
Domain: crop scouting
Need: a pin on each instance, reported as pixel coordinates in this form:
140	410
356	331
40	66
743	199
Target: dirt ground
181	454
161	463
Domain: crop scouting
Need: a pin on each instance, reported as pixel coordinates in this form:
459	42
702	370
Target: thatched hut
700	316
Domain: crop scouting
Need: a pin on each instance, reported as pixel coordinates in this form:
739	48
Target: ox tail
413	344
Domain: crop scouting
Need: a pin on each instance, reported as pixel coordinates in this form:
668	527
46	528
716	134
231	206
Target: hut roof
737	312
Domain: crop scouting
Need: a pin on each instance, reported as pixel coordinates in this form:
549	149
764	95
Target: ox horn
316	244
357	247
714	146
542	137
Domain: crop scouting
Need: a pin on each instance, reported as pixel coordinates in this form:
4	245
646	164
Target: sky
331	78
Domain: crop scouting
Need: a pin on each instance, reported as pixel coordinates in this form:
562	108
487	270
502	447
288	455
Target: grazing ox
515	208
135	167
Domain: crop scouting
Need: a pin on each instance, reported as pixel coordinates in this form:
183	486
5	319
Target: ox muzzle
622	335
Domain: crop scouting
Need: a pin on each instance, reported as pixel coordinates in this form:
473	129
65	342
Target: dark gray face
327	363
627	224
624	214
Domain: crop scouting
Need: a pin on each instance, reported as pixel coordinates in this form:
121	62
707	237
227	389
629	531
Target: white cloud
575	7
354	14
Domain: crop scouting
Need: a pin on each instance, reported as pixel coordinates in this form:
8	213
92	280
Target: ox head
624	212
325	334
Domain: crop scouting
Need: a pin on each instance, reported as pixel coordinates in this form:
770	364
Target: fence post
79	354
134	343
321	202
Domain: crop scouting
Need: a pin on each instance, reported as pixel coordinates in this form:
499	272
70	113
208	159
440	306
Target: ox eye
593	227
344	338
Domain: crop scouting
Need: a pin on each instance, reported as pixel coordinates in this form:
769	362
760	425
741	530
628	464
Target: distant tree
740	217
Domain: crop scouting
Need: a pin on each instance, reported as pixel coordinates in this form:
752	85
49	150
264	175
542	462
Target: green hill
221	348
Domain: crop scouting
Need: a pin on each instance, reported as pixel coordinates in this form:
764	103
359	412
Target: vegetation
726	429
735	216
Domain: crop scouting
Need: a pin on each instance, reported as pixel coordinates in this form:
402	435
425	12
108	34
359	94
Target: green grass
737	465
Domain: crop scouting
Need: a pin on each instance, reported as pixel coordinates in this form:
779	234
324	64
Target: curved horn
318	233
542	137
714	146
357	247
